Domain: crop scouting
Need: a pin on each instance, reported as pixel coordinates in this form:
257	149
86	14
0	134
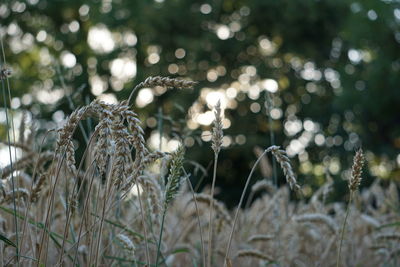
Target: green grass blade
394	224
7	241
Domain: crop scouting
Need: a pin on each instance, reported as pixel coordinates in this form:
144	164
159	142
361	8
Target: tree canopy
321	76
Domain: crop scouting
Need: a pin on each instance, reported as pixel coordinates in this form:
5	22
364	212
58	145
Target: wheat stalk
354	182
217	136
174	180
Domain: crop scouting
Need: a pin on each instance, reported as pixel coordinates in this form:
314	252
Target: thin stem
144	225
268	100
68	211
108	188
198	220
83	217
31	188
210	226
43	244
70	102
137	87
161	234
240	204
160	126
343	229
9	149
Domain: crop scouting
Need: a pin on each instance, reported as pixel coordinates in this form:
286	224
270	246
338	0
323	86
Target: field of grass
121	204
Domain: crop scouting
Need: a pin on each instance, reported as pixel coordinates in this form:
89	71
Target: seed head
356	170
217	129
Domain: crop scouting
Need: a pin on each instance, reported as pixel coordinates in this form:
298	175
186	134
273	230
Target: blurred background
320	78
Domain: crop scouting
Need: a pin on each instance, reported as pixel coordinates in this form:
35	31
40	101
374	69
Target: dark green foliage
349	48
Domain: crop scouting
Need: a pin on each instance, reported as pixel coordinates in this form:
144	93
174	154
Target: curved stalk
240	204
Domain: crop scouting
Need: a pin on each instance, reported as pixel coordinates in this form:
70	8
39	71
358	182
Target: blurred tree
332	67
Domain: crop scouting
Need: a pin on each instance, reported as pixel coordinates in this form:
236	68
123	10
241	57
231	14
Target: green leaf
120	226
7	241
389	225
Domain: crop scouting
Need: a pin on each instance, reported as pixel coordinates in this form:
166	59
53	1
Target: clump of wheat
104	207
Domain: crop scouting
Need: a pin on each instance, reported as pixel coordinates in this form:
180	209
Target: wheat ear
174	180
216	146
354	182
162	81
284	161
